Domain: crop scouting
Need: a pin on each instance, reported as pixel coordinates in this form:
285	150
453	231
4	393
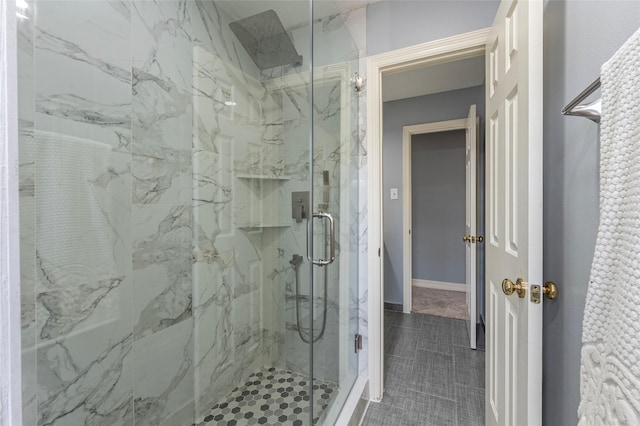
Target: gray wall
578	37
397	114
395	24
438	206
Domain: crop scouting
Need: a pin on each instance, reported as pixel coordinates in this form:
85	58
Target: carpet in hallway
441	303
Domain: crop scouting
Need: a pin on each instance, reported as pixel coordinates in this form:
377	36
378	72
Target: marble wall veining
81	245
356	23
106	160
156	170
237	166
26	116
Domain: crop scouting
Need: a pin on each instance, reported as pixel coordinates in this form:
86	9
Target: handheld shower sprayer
324	205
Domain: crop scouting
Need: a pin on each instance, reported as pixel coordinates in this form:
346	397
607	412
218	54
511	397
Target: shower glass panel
335	192
172	156
251	152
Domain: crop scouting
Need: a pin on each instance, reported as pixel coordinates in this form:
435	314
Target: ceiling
433	79
417	82
292	13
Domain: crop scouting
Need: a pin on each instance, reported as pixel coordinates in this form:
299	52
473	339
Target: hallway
431	376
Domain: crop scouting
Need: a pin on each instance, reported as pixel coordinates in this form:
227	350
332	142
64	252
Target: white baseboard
438	285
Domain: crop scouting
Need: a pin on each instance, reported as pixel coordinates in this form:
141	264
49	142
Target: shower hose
306	337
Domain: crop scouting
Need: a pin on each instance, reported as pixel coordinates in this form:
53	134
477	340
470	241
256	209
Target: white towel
610	369
74	210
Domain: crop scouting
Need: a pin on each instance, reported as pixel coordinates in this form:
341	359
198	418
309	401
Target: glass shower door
335	226
172	156
251	192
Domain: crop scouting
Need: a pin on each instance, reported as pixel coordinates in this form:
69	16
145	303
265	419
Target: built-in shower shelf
263	177
259	227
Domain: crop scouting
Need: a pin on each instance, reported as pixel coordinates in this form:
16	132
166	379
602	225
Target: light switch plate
394	193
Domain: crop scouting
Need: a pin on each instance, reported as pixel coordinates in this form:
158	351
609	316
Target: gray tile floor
431	375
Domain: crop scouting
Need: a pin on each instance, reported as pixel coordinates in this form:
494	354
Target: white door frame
10	353
448	49
407	133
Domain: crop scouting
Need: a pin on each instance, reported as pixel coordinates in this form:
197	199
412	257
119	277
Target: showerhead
264	38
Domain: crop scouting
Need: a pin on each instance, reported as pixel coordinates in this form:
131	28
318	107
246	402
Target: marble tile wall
82	207
106	202
327	98
356	21
126	140
333	144
237	160
162	224
26	114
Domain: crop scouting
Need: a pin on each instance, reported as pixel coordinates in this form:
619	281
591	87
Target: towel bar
592	111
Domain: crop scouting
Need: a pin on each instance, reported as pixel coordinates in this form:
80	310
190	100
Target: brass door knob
550	290
480	239
466	238
520	287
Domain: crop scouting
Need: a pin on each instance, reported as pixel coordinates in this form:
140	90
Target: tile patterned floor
272	397
432	378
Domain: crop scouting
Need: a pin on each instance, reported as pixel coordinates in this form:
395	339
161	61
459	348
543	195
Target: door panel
470	224
514	213
334	168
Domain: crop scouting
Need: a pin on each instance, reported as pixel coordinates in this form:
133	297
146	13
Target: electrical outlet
394	193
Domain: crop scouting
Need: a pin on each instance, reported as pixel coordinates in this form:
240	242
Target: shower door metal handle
332	239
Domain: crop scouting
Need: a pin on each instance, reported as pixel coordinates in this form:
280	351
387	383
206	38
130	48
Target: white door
514	214
470	224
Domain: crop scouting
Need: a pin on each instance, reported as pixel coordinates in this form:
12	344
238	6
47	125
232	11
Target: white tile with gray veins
83	312
96	103
162	110
165	398
83	298
161	267
150	80
228	264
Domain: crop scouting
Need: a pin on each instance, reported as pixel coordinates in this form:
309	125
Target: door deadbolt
549	289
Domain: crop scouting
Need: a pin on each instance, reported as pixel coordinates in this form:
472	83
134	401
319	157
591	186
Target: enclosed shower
188	208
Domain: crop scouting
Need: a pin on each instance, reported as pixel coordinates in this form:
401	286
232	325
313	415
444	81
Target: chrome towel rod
591	110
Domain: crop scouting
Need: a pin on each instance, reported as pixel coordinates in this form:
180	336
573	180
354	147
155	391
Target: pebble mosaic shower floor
271	396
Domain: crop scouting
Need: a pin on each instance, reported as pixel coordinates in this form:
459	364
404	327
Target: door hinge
378	251
357	343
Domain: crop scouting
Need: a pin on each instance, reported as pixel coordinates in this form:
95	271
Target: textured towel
74	219
610	369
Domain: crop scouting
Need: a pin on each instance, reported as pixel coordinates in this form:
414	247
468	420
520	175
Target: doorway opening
435	267
457	48
443	194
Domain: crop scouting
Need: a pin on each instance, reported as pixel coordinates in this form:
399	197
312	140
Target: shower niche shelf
259	203
262	177
259	227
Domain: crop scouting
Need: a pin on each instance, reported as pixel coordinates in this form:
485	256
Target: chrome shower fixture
264	38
